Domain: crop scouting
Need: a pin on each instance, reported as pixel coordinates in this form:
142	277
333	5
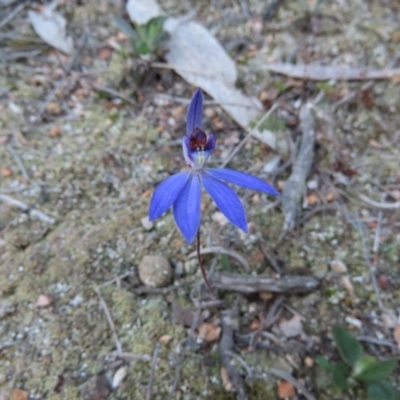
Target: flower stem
203	271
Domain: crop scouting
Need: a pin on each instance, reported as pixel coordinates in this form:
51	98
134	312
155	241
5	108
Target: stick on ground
295	186
152	371
110	323
32	212
225	348
253	284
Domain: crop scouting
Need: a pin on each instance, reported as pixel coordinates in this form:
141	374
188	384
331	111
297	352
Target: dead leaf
105	53
312	199
265	295
6	172
53	108
55	131
44	300
143	11
255	325
286	390
338	266
280	185
396	335
330	197
383	282
346	283
292	327
389	321
19	394
354	322
209	332
50	27
118	377
202	61
165	339
309	362
226	380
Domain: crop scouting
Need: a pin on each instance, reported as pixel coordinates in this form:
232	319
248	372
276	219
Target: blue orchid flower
182	191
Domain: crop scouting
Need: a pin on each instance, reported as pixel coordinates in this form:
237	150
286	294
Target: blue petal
187	209
210	145
166	193
226	200
186	150
195	113
242	179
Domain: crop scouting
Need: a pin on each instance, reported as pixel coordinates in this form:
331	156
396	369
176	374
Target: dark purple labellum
198	140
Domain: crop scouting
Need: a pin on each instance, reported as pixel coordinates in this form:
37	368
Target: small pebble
312	185
146	223
155	271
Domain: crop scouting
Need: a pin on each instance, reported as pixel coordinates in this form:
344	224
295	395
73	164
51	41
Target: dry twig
113	92
116	279
17	159
254	284
152	371
110	323
378	205
12	14
221	250
32	212
295	186
367	256
325	73
130	356
225	348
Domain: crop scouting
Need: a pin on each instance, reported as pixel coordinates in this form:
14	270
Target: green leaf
347	344
225	264
362	364
340	373
324	363
125	27
382	391
141	47
378	371
154	28
141	31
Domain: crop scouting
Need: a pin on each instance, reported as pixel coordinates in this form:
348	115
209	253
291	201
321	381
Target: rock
96	388
146	223
6	308
155	271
